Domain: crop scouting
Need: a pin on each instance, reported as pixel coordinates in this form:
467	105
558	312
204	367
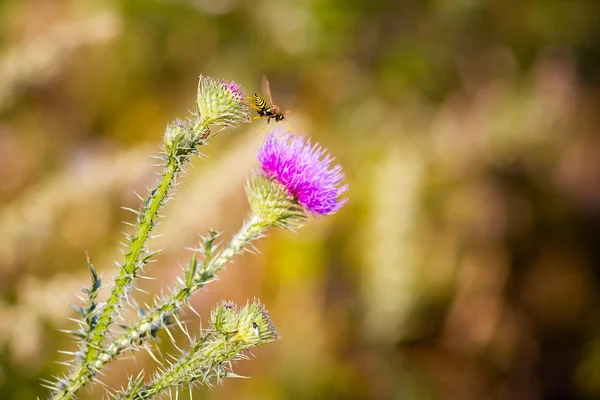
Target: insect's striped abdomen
265	109
261	104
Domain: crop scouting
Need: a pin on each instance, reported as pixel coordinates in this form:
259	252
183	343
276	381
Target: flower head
221	102
250	325
305	170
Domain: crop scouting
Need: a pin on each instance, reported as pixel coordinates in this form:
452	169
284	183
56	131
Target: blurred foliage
466	264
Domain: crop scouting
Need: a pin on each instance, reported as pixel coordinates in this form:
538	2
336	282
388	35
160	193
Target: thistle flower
305	171
221	102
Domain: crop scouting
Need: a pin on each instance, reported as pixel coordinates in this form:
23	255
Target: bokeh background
466	264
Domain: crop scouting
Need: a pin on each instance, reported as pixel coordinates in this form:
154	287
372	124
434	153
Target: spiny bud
178	135
221	102
244	328
254	325
232	333
223	318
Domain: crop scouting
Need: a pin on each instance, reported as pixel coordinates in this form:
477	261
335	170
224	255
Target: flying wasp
264	105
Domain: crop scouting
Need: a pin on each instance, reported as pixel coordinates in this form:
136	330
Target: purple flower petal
305	170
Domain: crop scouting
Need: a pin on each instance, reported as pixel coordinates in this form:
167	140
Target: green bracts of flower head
249	326
270	201
221	103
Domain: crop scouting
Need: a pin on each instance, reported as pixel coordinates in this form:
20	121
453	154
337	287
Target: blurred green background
466	264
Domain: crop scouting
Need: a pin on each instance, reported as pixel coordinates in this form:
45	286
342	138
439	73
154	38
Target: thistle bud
248	327
255	325
221	103
178	134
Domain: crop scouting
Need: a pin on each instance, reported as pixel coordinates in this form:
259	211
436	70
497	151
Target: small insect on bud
256	323
249	326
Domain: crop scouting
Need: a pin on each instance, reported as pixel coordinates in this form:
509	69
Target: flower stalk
135	258
231	333
271	206
217	103
197	277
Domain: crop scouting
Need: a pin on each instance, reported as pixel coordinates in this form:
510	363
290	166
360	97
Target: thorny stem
231	333
91	362
153	319
176	374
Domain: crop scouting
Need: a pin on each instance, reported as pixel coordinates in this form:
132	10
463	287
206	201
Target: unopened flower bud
221	103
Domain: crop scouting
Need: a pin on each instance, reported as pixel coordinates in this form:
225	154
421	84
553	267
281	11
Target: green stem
131	265
251	230
86	370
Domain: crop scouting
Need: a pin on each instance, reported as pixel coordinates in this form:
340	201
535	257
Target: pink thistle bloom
235	90
305	171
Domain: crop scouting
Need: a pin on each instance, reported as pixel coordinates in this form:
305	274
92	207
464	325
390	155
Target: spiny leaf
78	309
190	274
148	256
96	281
208	245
